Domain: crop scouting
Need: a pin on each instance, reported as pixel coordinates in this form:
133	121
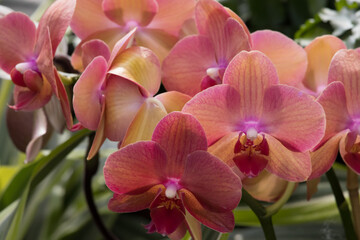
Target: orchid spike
176	178
27	53
158	22
258	123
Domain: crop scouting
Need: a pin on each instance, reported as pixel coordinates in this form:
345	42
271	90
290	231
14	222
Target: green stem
261	213
91	167
342	205
68	78
274	208
353	187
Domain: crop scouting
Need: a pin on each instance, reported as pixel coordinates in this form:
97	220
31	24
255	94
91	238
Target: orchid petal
288	57
179	233
173	100
108	36
122	12
123	100
323	158
352	160
286	164
224	148
145	121
265	187
169	18
345	67
292	117
54	114
186	64
131	203
250	73
89	18
218	109
64	101
92	49
311	187
157	40
194	226
17	40
124	43
219	221
99	135
319	54
135	168
87	92
57	19
139	65
333	101
179	135
239	20
37	140
212	182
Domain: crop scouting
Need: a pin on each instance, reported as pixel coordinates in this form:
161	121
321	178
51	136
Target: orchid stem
90	169
274	208
342	205
352	185
261	213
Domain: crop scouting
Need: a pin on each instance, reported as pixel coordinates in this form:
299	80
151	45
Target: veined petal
108	36
132	203
89	18
87	92
123	100
211	181
64	101
323	158
218	109
345	67
124	43
186	65
292	117
265	187
145	121
286	164
123	12
333	101
17	40
179	135
99	135
135	168
57	19
219	221
352	160
250	73
288	57
224	148
139	65
169	18
173	100
237	18
319	54
92	49
157	40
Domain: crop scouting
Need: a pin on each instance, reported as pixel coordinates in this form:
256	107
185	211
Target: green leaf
6	217
41	168
6	173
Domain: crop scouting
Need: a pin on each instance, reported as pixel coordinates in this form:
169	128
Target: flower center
171	191
213	73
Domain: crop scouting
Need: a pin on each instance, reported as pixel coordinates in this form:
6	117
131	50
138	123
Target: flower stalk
260	211
352	185
341	204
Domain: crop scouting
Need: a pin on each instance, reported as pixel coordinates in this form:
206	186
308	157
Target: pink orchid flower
26	53
158	22
199	61
341	101
120	87
319	54
257	123
176	178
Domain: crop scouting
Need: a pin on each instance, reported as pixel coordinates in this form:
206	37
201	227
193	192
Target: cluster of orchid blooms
252	110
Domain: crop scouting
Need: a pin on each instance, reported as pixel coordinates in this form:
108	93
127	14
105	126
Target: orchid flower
258	124
176	178
158	22
120	87
340	100
27	52
198	62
